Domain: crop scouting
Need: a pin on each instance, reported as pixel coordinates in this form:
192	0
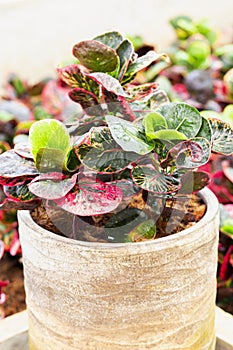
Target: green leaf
168	135
127	135
125	52
143	62
144	231
205	130
102	153
120	224
154	122
96	56
112	39
46	137
182	117
222	136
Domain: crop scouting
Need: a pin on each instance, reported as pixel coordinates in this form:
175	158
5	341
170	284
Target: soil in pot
174	217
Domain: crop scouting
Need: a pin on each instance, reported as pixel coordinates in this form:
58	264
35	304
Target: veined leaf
189	154
127	135
182	117
150	179
91	198
96	56
102	153
112	39
109	83
15	169
222	136
49	134
52	185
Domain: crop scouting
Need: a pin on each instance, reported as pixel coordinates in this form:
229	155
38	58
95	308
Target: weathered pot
150	295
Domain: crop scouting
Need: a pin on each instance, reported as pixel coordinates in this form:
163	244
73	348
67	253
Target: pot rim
206	194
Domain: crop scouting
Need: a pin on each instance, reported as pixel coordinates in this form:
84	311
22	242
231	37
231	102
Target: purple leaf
91	198
87	100
52	185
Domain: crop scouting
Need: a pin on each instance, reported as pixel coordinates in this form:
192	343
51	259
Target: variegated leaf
91	198
222	136
102	153
112	39
96	56
52	185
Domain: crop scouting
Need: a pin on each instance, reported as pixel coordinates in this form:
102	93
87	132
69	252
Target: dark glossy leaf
15	169
189	154
109	83
102	153
125	51
127	135
150	179
193	181
19	192
52	185
111	39
144	231
222	136
120	224
96	56
128	188
144	61
91	198
182	117
87	100
117	105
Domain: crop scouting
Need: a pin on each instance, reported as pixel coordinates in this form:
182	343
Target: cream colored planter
150	295
14	331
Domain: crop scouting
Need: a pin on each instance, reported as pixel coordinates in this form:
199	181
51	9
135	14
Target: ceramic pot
156	294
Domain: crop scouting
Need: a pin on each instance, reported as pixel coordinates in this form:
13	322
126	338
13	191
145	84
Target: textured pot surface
150	295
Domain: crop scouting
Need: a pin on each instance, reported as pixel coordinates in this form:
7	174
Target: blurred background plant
200	72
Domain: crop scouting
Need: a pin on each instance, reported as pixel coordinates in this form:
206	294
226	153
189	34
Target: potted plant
119	252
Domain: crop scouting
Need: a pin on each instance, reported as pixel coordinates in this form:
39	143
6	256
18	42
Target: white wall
35	35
